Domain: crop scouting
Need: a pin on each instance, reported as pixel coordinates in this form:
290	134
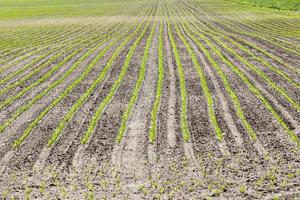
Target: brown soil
170	168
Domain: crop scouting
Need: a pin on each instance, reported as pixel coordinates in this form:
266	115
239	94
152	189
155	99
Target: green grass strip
183	93
204	86
90	90
137	87
159	87
111	94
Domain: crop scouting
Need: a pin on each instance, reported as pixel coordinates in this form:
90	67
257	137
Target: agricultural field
275	4
148	99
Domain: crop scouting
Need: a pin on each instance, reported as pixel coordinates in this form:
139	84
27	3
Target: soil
237	167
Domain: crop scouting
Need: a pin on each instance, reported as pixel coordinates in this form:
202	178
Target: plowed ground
156	99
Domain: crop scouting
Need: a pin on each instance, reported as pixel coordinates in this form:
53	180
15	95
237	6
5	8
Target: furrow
159	87
97	115
26	106
183	93
254	90
207	93
292	70
87	70
27	66
42	79
130	155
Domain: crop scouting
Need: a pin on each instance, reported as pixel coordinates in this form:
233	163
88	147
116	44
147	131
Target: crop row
276	37
204	85
76	44
58	39
183	93
37	69
225	43
228	36
76	82
262	74
31	41
79	43
284	34
58	42
268	26
159	87
137	87
277	23
32	37
53	84
233	28
270	40
97	115
236	70
40	58
11	99
230	91
50	40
